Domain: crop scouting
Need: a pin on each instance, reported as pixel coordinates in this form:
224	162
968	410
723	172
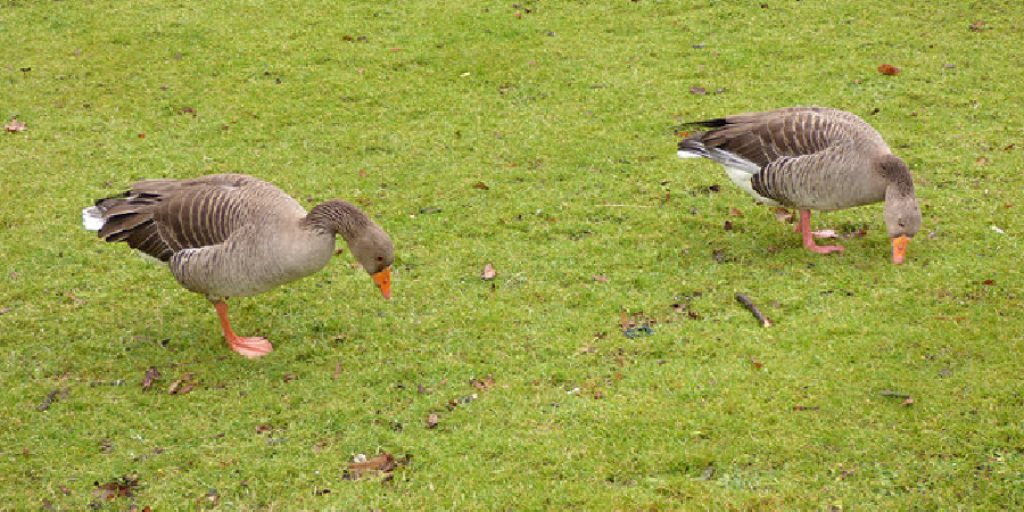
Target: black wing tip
709	123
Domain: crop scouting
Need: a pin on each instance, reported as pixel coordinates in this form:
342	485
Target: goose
811	158
233	235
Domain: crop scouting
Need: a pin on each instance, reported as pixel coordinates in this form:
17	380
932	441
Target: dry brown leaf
783	215
122	487
483	384
15	126
978	26
981	160
907	402
433	420
735	212
381	465
183	385
888	70
263	428
152	375
756	363
698	90
599	278
488	272
481	186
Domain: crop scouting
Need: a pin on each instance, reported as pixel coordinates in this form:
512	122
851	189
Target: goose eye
381	258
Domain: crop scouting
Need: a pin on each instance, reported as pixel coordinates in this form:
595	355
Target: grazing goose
232	235
811	158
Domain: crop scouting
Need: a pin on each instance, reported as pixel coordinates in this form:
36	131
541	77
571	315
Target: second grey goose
231	235
811	158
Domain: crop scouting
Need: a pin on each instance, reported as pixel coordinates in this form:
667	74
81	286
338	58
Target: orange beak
383	280
899	248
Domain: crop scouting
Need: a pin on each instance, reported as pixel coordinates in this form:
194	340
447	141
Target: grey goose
232	235
811	158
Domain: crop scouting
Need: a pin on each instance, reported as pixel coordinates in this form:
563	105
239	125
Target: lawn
538	138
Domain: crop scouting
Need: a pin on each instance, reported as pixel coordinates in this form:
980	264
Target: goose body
232	235
811	158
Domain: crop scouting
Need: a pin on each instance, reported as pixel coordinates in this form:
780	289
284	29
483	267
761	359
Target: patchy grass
564	110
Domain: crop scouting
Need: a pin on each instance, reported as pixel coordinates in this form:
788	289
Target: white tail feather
687	154
92	218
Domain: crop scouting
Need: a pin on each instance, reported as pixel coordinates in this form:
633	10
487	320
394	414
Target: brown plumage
230	235
811	158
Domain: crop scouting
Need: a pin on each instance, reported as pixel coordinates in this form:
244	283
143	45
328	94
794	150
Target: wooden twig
765	322
895	394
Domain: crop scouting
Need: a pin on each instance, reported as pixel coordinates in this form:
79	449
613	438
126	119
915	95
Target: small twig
765	322
895	394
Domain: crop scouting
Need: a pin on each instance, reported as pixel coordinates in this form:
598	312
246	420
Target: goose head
902	215
374	251
370	245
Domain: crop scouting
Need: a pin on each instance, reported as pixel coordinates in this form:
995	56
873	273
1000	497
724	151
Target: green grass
566	114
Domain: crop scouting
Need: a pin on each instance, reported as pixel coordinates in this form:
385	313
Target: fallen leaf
757	363
978	26
698	90
15	126
432	420
142	135
381	465
597	278
907	402
263	428
106	445
122	487
888	70
288	377
52	397
488	272
727	225
337	371
152	375
988	282
735	212
981	160
598	394
481	186
455	402
183	385
783	215
483	384
806	407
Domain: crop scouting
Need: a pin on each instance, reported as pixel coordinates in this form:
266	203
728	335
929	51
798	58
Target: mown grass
565	112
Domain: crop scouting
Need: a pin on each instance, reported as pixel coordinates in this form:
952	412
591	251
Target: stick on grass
765	322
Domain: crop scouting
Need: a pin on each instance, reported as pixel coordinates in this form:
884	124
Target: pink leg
805	229
251	347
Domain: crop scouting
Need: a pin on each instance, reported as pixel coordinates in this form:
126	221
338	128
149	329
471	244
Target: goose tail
92	218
